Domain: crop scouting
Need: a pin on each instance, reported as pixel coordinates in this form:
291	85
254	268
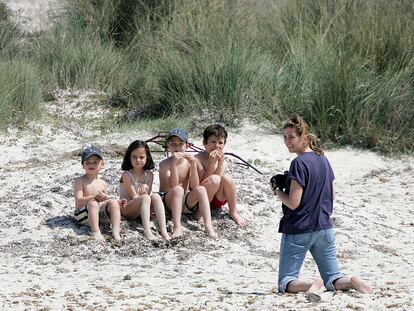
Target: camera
279	181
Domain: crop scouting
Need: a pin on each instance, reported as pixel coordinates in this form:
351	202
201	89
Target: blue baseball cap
90	151
180	133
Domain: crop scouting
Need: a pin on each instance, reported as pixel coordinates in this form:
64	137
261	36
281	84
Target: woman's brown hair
298	123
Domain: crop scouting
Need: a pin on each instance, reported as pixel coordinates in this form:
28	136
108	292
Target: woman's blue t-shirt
315	175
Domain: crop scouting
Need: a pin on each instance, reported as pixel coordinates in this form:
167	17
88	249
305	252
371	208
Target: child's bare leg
228	190
156	203
145	212
200	194
354	282
115	215
212	185
174	200
132	208
93	220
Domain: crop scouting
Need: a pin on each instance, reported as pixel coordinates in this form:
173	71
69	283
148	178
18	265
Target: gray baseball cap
180	133
90	151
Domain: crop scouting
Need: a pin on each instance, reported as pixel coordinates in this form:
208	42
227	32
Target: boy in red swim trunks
213	173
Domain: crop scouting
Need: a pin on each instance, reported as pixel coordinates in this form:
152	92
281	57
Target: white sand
48	262
34	15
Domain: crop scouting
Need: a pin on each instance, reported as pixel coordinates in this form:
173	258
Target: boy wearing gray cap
180	186
92	204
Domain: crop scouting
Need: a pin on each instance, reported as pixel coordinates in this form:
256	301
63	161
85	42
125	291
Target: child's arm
147	187
194	180
215	164
211	164
173	179
80	199
126	180
103	191
150	180
221	164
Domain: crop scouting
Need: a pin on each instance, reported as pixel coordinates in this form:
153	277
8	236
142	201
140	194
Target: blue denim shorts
293	248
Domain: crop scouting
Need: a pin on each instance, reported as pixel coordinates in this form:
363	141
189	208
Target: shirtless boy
213	164
179	184
92	204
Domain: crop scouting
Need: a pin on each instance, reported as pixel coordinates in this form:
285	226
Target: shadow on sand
67	222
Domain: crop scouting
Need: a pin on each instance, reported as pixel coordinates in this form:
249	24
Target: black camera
279	181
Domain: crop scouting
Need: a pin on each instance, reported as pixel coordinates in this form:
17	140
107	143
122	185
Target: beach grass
346	66
20	93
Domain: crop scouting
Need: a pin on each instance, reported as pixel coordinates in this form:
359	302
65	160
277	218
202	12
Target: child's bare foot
360	285
177	233
148	234
239	220
165	235
212	233
98	237
117	237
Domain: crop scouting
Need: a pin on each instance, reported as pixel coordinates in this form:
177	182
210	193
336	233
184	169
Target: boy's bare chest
204	163
183	169
94	187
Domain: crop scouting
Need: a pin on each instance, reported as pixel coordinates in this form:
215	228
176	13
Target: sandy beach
49	262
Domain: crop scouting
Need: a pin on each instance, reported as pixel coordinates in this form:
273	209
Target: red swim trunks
216	203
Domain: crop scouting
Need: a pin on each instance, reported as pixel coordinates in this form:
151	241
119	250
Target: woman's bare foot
360	285
316	286
148	234
98	237
311	293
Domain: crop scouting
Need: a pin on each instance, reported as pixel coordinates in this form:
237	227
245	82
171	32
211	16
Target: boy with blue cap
92	204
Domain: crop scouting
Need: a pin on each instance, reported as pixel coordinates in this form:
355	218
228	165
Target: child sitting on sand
92	204
213	173
136	188
179	184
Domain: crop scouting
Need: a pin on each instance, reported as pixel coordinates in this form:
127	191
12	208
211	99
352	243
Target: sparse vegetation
346	66
20	92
